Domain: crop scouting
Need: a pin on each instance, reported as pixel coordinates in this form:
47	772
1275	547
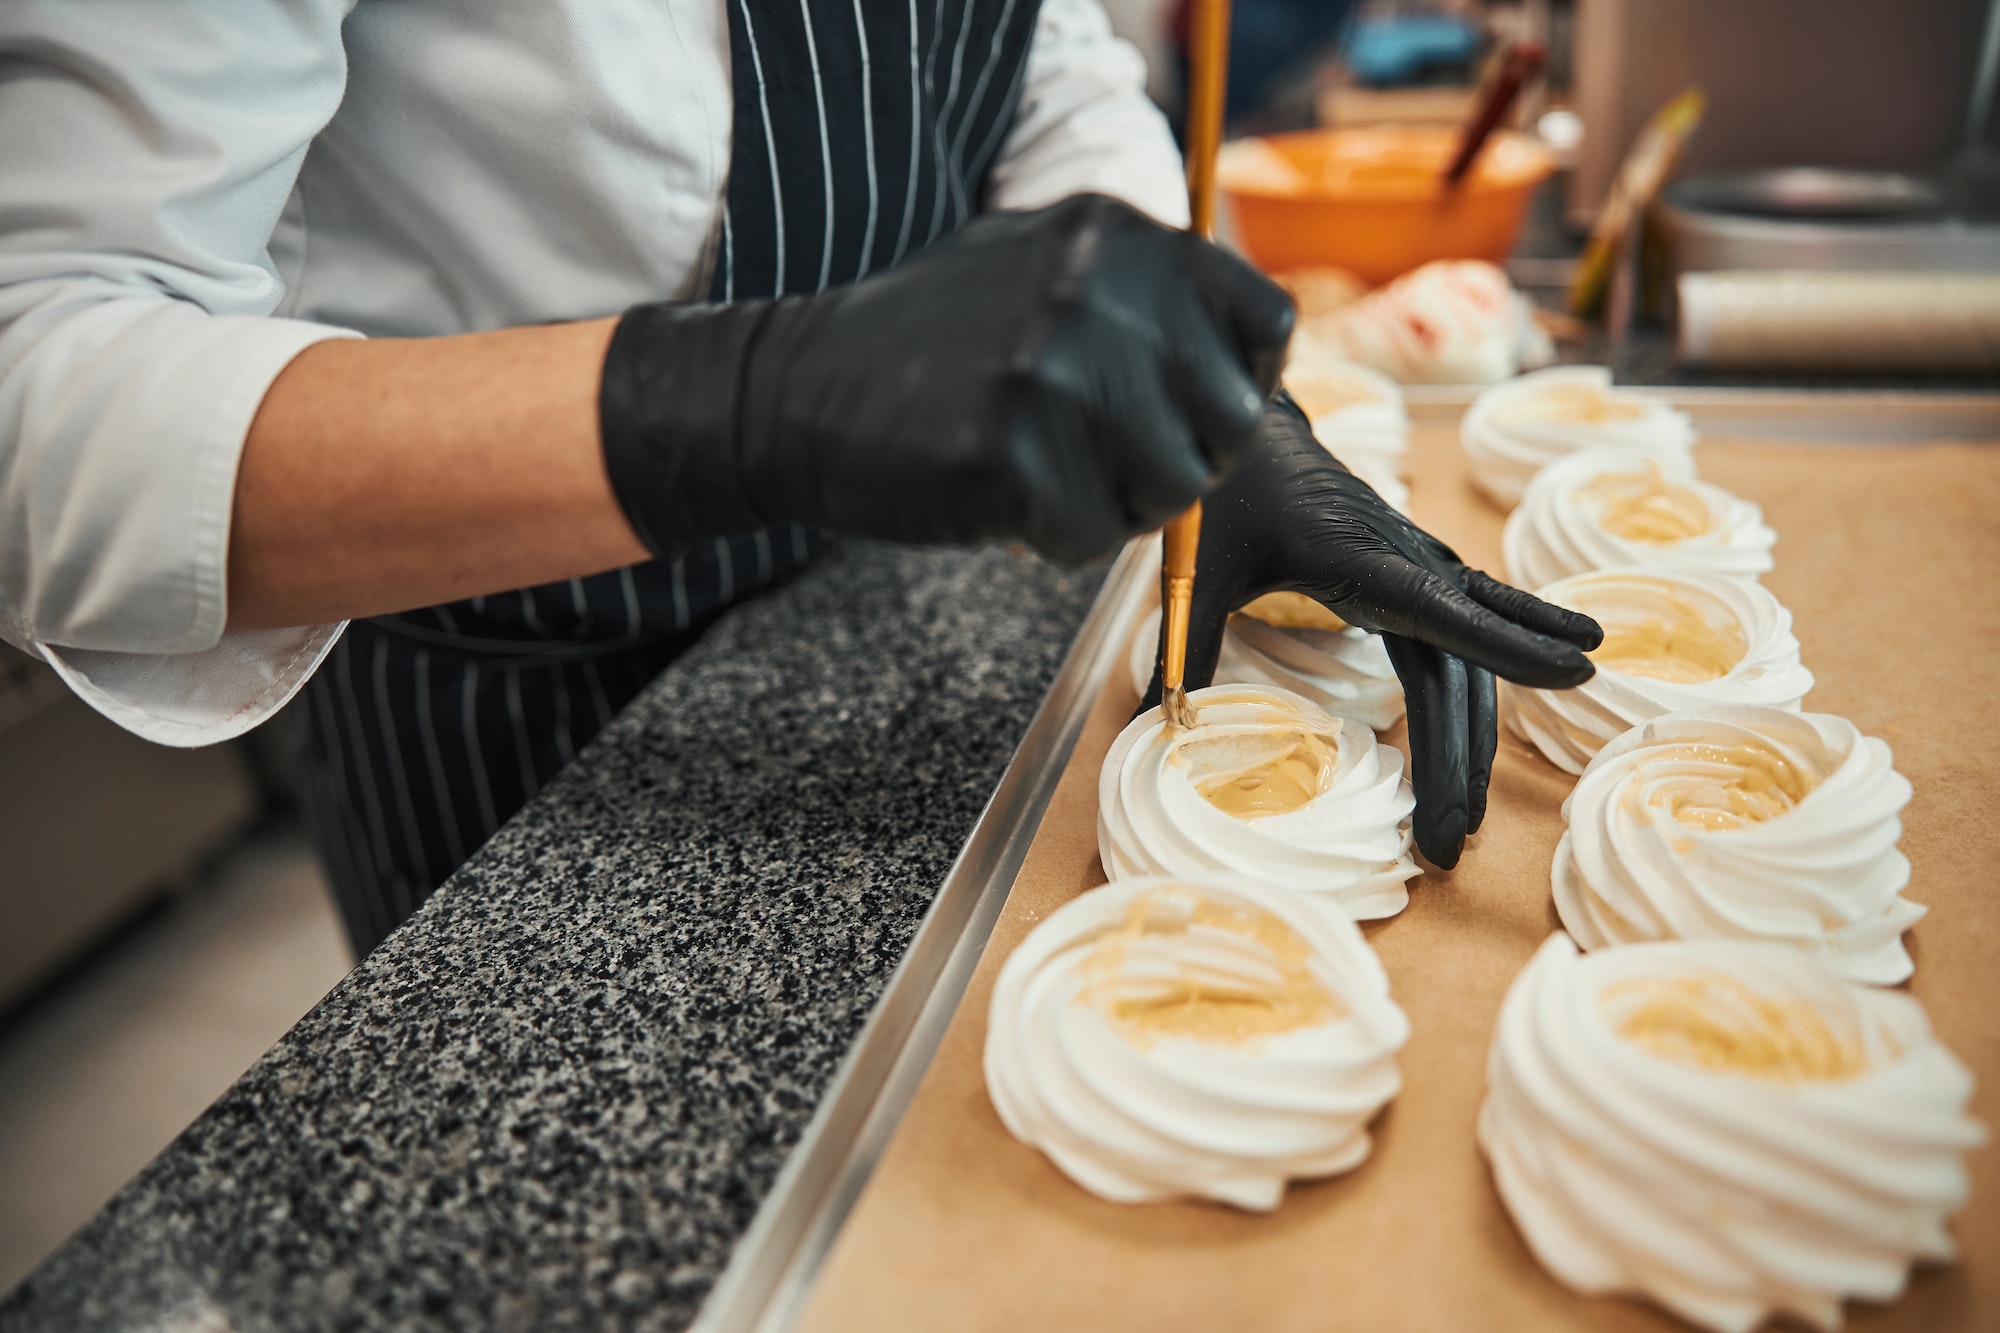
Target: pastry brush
1208	67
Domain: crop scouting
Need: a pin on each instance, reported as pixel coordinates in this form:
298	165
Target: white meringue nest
1725	1127
1613	505
1515	428
1742	823
1347	672
1136	1111
1569	726
1348	846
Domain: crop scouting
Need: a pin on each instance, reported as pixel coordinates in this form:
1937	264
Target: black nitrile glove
1290	518
1068	378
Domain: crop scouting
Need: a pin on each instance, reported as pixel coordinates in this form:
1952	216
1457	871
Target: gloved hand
1290	518
1068	378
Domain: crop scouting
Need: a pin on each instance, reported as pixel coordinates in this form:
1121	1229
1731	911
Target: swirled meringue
1514	429
1268	785
1725	1127
1451	321
1344	670
1673	643
1742	823
1612	505
1162	1038
1357	415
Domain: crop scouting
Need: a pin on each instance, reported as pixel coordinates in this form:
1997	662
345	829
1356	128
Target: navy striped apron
863	132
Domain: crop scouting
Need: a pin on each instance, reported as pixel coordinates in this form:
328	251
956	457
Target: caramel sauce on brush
1717	1023
1645	507
1151	987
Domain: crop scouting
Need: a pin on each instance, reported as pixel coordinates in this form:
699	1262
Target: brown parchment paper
1888	558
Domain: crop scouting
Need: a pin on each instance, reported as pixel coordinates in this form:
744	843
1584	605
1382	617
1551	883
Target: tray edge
772	1268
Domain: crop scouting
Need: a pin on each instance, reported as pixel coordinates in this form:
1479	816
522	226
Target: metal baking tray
771	1272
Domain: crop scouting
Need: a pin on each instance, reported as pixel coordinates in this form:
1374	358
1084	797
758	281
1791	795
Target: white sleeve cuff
188	699
123	479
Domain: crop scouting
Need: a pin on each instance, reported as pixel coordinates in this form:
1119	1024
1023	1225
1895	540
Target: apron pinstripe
863	131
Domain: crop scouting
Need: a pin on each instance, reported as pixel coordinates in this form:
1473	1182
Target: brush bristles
1180	713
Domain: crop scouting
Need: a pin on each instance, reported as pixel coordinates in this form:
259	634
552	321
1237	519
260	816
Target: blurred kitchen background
1832	219
162	922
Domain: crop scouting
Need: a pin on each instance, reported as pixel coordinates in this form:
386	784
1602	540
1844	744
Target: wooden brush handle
1183	539
1208	70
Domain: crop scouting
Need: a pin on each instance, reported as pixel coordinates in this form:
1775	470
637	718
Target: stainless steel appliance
1870	84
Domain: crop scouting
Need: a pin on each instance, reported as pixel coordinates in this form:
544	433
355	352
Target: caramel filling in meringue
1292	610
1683	646
1645	507
1740	785
1188	967
1319	395
1717	1023
1569	404
1272	773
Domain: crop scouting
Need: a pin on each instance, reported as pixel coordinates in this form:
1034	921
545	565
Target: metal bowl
1823	220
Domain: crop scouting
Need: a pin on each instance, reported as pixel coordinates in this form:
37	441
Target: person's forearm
388	474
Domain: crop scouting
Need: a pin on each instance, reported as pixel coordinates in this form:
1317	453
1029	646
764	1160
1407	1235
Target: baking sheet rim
771	1271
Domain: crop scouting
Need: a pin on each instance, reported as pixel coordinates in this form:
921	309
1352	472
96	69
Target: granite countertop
555	1098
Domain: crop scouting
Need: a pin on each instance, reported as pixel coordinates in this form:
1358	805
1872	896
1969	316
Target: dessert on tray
1288	640
1451	321
1742	823
1613	505
1163	1038
1725	1127
1357	414
1673	642
1515	429
1269	786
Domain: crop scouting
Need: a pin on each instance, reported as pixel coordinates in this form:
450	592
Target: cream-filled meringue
1612	505
1674	642
1290	641
1318	292
1267	785
1515	429
1357	415
1164	1038
1725	1127
1451	321
1742	823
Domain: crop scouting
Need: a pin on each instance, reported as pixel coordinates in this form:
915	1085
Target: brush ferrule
1177	596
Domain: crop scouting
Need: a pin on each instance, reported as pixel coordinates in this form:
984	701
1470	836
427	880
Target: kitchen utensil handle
1208	69
1519	63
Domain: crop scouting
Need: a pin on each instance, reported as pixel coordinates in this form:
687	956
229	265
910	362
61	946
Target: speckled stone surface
555	1098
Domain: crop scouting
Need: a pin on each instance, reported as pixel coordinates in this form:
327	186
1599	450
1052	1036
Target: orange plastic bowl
1373	201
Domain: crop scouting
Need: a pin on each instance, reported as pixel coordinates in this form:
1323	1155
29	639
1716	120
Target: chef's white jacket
192	191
